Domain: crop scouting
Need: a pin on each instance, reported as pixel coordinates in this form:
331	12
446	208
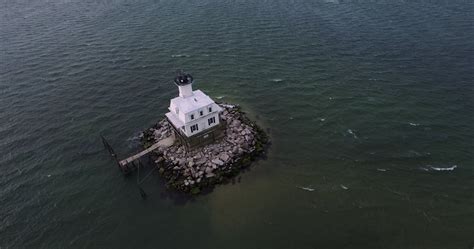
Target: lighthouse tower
193	115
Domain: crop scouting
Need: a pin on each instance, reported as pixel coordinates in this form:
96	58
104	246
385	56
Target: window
176	110
211	121
201	113
183	127
210	109
192	116
194	128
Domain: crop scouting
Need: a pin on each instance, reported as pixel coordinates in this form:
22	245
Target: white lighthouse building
193	115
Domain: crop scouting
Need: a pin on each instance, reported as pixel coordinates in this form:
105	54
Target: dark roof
183	79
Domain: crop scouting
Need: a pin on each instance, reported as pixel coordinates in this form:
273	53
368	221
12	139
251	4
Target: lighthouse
193	115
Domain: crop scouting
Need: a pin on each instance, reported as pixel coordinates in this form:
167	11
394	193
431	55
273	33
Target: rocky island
192	170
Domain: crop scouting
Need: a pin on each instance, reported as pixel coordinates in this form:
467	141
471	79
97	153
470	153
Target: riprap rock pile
203	167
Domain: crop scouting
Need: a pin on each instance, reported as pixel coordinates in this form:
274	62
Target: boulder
236	123
224	157
218	162
209	175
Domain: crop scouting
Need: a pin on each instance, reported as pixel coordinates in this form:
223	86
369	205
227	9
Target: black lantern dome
183	78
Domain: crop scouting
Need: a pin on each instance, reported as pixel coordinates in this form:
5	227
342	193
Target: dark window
192	116
194	128
211	120
210	109
201	113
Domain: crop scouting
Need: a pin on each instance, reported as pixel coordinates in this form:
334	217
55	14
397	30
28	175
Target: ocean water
369	106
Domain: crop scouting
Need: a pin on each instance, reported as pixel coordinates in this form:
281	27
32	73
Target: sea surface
369	106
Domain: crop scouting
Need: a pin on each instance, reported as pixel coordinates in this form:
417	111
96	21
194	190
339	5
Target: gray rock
218	162
236	123
209	175
201	161
224	157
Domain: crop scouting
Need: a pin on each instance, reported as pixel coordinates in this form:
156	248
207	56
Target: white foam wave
352	133
135	138
276	80
306	188
414	124
180	55
227	106
344	187
444	169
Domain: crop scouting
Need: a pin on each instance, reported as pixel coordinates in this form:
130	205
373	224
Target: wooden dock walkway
167	142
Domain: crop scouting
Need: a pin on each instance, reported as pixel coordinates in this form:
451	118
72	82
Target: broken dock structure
128	164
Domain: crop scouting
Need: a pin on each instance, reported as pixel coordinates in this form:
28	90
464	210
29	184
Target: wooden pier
167	142
128	164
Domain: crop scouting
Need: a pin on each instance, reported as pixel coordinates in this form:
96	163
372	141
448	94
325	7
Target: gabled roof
192	103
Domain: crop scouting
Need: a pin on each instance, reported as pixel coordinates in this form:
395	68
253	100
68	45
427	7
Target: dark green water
363	101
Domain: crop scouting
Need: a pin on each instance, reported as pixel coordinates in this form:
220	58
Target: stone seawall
202	168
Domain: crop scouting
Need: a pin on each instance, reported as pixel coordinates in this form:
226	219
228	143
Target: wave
352	133
276	80
306	188
180	55
444	169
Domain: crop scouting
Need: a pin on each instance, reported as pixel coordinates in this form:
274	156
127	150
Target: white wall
186	90
202	123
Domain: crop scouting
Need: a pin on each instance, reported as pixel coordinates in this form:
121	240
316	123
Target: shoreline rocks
202	168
